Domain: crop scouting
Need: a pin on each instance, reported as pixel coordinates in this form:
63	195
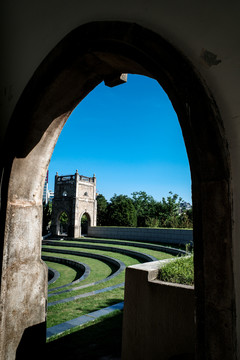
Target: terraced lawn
99	269
100	272
68	274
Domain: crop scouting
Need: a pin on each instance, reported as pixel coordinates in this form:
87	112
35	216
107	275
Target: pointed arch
85	222
88	55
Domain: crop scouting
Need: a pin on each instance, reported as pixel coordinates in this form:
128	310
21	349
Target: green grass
99	270
179	271
103	335
116	280
103	285
67	311
67	274
98	274
157	254
98	339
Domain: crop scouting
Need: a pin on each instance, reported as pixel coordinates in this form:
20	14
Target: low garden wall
158	317
164	236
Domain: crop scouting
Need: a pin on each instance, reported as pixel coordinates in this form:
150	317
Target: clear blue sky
130	137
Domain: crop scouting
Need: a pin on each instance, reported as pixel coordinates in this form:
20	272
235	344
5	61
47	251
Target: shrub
179	271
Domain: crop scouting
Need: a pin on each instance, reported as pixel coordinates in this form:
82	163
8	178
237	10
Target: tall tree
121	211
145	207
101	210
169	210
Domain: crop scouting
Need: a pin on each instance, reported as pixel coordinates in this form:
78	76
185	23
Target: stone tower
74	195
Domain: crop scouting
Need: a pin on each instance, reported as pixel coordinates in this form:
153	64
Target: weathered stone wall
165	236
86	203
75	195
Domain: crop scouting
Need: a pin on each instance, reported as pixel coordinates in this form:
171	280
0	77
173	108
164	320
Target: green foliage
46	221
121	211
84	219
63	218
168	210
152	222
185	221
84	224
142	210
145	208
102	205
170	213
189	214
179	271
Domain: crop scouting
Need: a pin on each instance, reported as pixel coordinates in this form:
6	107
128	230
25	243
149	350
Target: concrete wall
165	236
160	323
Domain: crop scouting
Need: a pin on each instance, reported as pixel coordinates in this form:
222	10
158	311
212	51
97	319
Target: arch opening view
85	223
67	75
138	154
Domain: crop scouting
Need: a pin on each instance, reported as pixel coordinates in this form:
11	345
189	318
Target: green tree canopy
169	210
145	207
84	224
63	218
144	211
121	211
102	205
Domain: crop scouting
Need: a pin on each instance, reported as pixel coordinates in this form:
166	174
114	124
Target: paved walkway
60	328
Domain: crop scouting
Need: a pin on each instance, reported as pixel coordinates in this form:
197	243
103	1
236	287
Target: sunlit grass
99	270
179	271
63	312
67	274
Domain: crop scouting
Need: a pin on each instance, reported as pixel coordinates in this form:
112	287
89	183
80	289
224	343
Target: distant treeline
142	210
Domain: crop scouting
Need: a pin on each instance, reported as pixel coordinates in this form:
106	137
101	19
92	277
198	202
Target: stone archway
92	53
85	222
63	223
